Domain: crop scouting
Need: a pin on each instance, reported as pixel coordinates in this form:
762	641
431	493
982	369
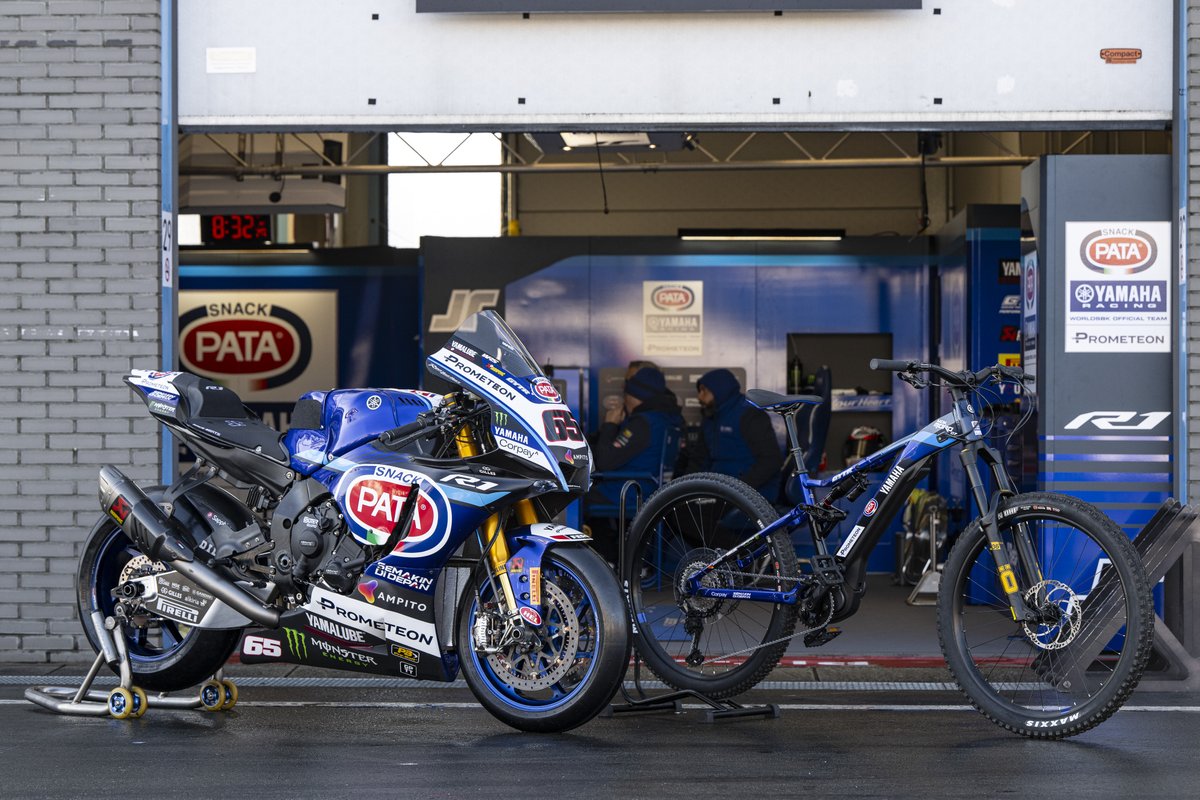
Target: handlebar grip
396	434
890	364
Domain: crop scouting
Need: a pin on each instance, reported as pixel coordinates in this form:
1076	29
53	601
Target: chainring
543	657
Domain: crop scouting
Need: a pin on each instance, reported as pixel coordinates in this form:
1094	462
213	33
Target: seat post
795	451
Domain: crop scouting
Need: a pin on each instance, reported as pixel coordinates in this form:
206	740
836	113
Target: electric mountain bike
1044	613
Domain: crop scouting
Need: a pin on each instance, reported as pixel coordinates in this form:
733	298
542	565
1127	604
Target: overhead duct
260	175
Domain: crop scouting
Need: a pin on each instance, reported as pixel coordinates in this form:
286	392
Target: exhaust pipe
159	537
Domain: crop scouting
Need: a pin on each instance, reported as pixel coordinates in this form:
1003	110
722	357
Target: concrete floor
419	743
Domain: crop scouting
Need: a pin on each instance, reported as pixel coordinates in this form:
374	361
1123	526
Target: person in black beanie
631	439
736	438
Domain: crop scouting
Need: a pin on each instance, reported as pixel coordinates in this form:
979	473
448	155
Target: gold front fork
497	552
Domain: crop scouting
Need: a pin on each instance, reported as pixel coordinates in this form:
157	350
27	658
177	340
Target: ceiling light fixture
764	235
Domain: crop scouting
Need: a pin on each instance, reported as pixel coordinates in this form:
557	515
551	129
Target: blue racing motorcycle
388	531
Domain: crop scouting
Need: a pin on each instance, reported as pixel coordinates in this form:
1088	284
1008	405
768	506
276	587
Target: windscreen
486	332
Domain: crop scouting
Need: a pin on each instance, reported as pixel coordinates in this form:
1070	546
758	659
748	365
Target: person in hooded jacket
631	440
736	438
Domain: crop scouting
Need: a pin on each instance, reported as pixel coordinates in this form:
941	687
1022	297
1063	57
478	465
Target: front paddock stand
126	701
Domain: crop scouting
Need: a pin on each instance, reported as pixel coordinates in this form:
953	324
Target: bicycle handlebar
965	379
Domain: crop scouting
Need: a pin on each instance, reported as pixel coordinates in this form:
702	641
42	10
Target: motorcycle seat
218	414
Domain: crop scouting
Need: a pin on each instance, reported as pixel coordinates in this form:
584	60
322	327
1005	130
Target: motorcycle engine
313	544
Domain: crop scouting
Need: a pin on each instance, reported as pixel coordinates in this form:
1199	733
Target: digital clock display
239	229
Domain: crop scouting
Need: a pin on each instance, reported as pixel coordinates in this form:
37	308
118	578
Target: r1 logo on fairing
1118	420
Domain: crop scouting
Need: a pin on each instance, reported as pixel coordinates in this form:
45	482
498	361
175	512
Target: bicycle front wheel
1073	665
718	646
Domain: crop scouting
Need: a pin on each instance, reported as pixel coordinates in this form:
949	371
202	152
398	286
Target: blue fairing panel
349	418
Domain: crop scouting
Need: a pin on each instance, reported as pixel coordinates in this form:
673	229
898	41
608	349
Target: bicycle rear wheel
1074	666
718	646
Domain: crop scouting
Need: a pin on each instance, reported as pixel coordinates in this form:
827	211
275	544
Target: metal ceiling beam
543	168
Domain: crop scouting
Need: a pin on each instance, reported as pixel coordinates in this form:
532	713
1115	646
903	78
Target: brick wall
79	199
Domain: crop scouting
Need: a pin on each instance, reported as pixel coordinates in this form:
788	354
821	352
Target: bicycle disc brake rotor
544	656
720	578
1060	611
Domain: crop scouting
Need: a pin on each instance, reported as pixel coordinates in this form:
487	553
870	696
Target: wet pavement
909	737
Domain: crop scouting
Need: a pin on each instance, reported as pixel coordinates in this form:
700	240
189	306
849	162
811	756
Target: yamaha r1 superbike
388	531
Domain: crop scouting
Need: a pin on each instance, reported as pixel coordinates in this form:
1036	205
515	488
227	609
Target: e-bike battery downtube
158	537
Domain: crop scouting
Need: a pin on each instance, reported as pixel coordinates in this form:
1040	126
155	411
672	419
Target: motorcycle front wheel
1073	663
566	670
165	656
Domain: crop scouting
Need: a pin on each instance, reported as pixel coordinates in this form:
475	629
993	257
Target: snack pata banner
268	346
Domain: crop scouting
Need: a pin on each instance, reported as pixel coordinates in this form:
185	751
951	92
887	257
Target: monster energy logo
501	417
297	643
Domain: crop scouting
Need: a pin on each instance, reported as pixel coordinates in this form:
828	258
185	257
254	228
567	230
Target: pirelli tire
569	664
1013	672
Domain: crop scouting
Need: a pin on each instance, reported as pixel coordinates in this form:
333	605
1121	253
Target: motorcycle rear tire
178	660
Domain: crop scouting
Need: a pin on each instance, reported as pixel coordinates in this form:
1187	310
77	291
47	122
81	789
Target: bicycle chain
828	618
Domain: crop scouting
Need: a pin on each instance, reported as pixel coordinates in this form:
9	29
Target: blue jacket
738	438
636	445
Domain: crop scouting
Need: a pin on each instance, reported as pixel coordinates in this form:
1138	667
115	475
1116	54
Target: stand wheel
231	694
212	696
120	703
140	702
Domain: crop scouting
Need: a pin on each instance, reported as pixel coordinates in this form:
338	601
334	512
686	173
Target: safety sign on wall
673	318
1117	294
268	346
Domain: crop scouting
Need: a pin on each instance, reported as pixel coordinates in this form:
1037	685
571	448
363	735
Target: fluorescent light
603	139
769	235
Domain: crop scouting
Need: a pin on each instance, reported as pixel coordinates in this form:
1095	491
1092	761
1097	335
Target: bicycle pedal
823	636
826	570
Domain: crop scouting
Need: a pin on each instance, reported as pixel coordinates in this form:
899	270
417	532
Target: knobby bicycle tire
683	526
1074	668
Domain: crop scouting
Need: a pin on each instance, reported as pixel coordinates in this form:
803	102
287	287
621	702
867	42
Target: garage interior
329	192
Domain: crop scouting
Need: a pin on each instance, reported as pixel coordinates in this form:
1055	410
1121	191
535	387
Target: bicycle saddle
781	403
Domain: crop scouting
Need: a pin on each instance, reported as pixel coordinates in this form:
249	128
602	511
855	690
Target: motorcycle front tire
586	607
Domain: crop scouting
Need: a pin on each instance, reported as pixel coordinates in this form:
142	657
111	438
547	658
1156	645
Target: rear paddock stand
670	701
126	701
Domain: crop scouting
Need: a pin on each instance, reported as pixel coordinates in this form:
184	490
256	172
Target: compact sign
658	6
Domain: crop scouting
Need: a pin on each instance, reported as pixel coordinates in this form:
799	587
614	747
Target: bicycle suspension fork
989	507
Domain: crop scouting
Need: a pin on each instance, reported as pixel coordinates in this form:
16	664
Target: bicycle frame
846	568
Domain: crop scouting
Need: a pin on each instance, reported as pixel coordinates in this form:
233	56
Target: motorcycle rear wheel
164	656
530	686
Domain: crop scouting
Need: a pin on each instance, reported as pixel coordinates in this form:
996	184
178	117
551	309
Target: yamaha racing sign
1118	292
266	346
